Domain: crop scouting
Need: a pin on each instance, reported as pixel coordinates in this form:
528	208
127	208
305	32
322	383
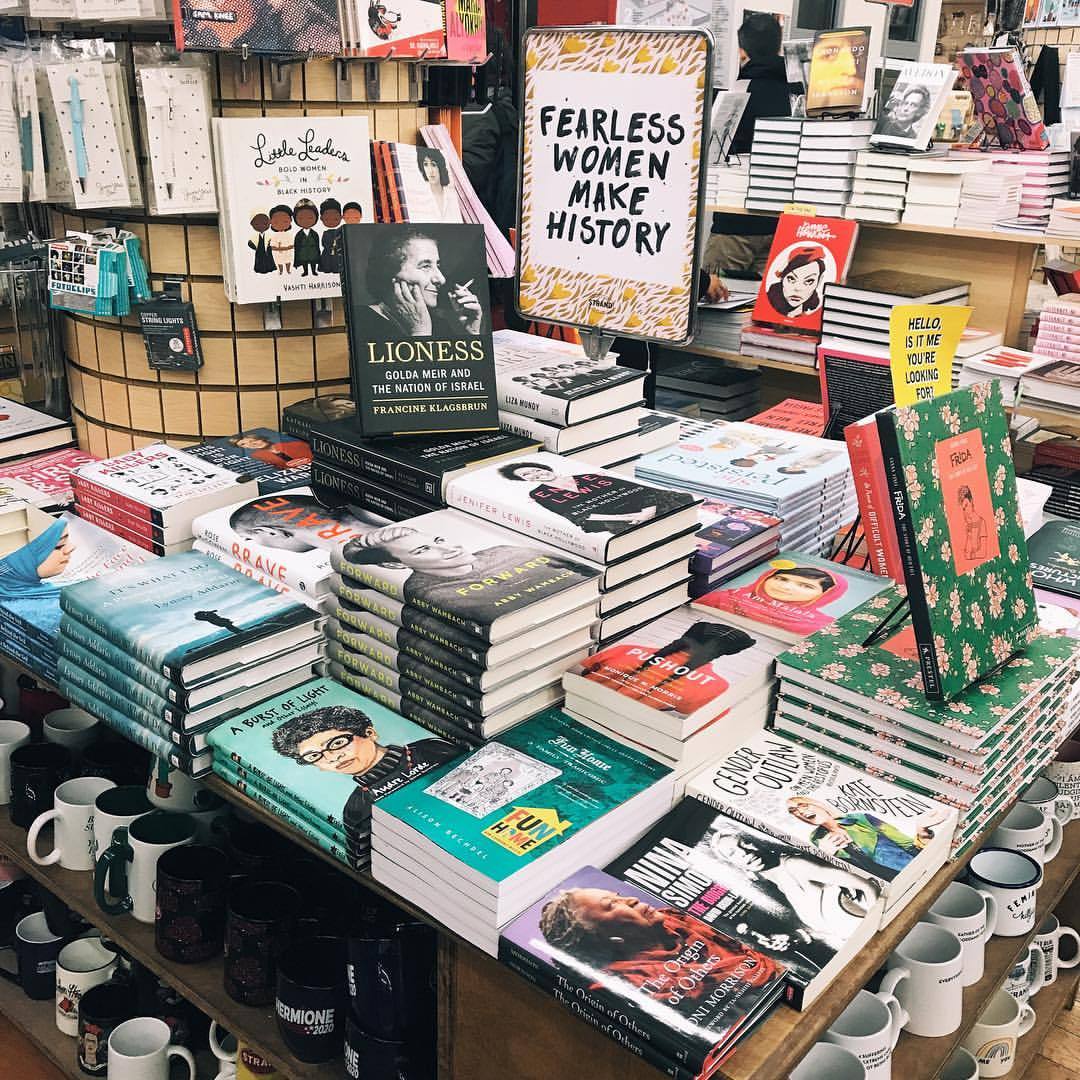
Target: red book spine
398	209
103	522
104	508
379	186
178	24
871	489
114	498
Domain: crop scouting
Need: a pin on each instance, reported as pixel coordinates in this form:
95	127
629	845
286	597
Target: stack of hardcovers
44	480
727	183
656	429
165	650
730	539
151	497
989	197
802	479
973	340
300	417
934	188
272	458
25	431
639	535
825	172
551	393
494	619
720	326
1059	332
722	392
319	756
765	342
879	188
774	159
1002	364
475	842
1044	178
1064	219
682	688
1057	463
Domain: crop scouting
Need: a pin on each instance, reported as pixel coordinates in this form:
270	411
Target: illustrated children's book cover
404	29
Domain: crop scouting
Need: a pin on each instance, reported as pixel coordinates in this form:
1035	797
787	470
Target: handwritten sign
922	344
612	166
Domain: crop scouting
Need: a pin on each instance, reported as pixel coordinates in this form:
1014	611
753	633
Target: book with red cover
792	414
807	254
872	491
47	475
466	31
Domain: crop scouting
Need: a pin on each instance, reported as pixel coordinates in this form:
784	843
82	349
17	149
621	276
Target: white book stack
774	157
989	197
934	187
1044	178
727	183
1002	363
1065	219
879	188
825	173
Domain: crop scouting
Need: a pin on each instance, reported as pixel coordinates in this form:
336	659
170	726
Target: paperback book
1055	557
44	480
26	431
273	459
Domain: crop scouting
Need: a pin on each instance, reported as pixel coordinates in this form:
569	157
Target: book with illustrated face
838	69
404	29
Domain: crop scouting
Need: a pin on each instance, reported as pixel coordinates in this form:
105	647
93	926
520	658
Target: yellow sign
800	208
525	828
922	344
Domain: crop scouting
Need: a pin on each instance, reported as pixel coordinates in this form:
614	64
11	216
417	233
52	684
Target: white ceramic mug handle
897	1012
31	839
892	979
991	913
1027	1019
185	1053
1069	932
216	1048
1054	846
1038	970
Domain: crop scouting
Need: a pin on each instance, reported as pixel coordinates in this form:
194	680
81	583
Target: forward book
26	431
887	836
273	459
417	311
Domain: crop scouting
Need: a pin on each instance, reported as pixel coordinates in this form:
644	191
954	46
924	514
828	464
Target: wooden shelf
1047	1005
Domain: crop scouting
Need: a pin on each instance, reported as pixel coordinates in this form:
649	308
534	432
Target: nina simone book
418	315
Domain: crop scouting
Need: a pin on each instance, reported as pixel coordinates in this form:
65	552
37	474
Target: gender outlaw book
887	835
948	462
290	184
417	310
272	458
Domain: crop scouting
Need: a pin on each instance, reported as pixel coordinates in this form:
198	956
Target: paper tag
800	208
922	344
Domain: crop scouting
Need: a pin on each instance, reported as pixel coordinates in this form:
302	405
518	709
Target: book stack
319	756
863	704
656	429
19	519
722	392
225	644
856	314
973	340
1044	178
989	197
825	173
934	187
792	414
682	688
475	842
270	457
879	188
802	479
639	535
151	496
727	184
1064	219
300	417
774	159
1059	328
764	342
502	617
1002	364
720	325
25	431
44	480
1057	464
730	539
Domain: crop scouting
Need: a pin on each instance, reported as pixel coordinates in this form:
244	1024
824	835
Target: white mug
73	831
1026	828
970	915
210	818
1026	976
116	809
225	1050
992	1039
825	1061
170	789
82	964
869	1027
925	972
1064	771
74	728
1012	879
139	1049
1044	795
13	733
1048	938
961	1066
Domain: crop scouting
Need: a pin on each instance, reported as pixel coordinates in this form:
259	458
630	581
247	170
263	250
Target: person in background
741	241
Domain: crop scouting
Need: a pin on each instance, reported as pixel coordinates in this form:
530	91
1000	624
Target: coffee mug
825	1060
170	789
73	831
1026	828
924	972
960	1066
36	949
869	1028
1012	879
81	965
17	900
310	1003
37	769
117	808
140	1049
74	728
236	1060
970	915
255	850
192	881
1026	976
63	921
1048	938
117	760
13	734
992	1039
129	864
1043	794
210	819
102	1009
368	1058
1064	771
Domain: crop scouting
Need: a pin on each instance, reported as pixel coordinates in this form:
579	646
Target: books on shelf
1005	366
728	533
272	458
25	431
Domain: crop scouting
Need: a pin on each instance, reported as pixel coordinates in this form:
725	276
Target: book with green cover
948	463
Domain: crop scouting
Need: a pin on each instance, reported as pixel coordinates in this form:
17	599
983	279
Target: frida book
791	595
272	458
290	184
1003	99
948	464
807	253
838	69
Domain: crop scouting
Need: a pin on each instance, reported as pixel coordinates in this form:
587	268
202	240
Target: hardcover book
1003	98
727	530
290	184
300	417
258	25
838	69
421	358
792	414
912	109
45	479
424	190
26	431
948	462
791	595
584	511
1055	557
412	29
270	457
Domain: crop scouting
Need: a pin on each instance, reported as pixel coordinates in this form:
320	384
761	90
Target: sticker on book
922	344
491	778
526	827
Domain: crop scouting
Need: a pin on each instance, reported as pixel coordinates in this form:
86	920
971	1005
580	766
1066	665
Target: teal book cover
338	751
181	608
515	799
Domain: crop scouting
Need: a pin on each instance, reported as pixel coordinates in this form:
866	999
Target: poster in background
613	143
922	344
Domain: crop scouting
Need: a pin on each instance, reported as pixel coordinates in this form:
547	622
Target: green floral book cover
950	472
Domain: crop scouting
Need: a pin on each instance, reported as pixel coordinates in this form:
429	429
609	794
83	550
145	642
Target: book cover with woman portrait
807	254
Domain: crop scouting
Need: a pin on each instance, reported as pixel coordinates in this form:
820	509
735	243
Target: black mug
311	1000
263	918
368	1058
18	899
118	760
189	922
61	919
101	1009
255	850
37	770
36	950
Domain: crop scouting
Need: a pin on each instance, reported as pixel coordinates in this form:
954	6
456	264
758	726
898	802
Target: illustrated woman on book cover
330	258
306	247
281	238
975	533
264	258
790	597
682	675
436	176
797	277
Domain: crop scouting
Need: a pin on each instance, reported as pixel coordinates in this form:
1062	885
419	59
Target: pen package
116	76
31	143
11	178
